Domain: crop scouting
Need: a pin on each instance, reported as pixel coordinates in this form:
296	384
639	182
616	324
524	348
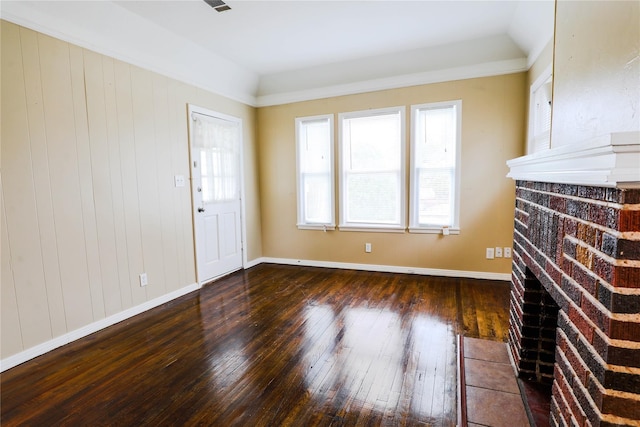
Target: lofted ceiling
268	52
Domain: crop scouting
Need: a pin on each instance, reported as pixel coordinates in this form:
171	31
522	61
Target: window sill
373	229
320	227
433	230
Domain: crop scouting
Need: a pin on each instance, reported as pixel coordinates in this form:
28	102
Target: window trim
541	141
368	226
301	224
414	226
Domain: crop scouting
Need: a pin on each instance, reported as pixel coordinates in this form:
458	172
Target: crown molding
437	76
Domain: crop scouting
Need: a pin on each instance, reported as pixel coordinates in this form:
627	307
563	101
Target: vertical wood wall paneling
178	166
128	164
83	147
116	180
65	179
101	179
19	199
10	329
90	147
41	181
166	187
143	120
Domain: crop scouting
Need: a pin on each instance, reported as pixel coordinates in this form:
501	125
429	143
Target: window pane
434	160
372	165
435	195
373	198
218	141
540	95
542	112
317	198
315	171
315	149
373	142
436	147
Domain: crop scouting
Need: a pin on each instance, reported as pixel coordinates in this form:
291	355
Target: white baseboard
253	263
388	268
69	337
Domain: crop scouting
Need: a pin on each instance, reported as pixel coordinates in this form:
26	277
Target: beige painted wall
493	129
597	64
90	146
542	61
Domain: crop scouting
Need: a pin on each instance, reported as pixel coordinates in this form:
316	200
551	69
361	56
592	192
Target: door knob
200	209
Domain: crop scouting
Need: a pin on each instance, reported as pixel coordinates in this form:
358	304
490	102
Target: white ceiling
267	52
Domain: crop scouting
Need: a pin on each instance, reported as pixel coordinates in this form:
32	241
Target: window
540	113
372	170
435	167
314	141
216	140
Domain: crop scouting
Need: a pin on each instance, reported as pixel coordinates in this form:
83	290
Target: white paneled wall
90	147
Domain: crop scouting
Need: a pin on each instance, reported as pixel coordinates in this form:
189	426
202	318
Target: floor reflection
434	344
223	320
368	357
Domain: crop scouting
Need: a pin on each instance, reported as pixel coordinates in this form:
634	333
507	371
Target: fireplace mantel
612	160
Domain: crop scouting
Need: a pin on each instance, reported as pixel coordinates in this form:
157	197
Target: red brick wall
582	244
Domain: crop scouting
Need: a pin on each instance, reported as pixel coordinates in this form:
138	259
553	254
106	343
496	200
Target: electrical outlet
498	252
490	252
143	279
367	247
507	252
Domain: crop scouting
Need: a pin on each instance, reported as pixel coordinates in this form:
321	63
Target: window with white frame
540	97
435	167
372	170
314	143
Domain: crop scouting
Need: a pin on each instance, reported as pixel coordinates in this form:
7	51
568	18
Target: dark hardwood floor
269	346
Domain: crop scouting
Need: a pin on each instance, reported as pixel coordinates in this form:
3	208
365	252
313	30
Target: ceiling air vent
218	5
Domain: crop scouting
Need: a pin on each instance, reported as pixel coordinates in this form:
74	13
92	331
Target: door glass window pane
218	142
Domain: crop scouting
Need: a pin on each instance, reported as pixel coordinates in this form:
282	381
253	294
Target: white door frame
243	226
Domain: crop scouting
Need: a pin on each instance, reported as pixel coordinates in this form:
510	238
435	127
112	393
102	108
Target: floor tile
490	375
486	350
495	408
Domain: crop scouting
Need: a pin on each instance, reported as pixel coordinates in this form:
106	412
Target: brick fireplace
575	299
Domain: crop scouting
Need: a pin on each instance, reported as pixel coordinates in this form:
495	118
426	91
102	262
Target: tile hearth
491	388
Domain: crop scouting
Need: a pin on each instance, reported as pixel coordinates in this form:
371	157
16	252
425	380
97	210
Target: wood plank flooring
269	346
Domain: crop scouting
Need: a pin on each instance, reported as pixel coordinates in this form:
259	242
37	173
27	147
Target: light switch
490	253
179	180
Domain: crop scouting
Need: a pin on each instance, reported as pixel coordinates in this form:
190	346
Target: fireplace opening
537	354
539	324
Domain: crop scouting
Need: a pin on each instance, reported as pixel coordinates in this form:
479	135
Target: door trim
243	226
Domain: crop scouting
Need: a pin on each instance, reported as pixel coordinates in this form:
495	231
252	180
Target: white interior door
216	183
